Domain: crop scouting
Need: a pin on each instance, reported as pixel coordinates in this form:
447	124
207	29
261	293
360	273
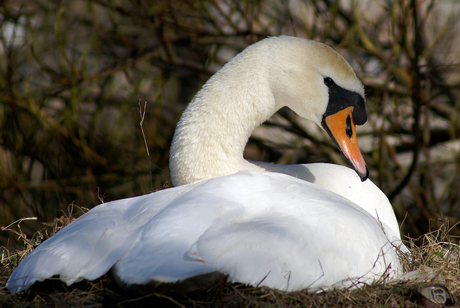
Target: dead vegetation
436	260
72	74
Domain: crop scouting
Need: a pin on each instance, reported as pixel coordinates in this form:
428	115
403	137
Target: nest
431	267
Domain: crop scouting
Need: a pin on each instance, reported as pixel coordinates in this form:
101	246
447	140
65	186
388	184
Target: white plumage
242	219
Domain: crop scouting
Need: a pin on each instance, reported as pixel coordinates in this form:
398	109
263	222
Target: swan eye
348	129
329	82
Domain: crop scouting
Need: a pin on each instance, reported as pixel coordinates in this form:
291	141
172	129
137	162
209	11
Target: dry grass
437	259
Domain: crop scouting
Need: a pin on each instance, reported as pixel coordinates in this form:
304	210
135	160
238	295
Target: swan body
312	226
266	229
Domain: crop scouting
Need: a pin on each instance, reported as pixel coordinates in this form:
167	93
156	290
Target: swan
312	226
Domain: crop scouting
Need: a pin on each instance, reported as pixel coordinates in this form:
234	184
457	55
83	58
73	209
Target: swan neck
213	131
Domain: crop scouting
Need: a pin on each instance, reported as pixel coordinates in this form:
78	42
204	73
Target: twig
142	114
18	222
263	279
99	196
20	233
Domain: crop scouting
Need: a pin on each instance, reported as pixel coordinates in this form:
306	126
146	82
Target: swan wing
263	229
305	237
91	245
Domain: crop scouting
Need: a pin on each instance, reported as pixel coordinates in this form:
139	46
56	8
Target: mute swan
258	223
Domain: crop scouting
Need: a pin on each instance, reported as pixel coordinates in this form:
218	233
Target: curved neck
213	131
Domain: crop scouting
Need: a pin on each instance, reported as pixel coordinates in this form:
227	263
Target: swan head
320	85
307	76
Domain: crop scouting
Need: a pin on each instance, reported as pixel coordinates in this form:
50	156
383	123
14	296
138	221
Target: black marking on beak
348	129
340	98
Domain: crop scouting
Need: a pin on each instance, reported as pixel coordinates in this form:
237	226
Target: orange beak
342	129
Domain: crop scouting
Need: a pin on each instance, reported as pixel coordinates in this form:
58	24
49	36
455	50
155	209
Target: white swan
238	218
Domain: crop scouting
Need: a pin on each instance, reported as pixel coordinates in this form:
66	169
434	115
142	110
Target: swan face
320	85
